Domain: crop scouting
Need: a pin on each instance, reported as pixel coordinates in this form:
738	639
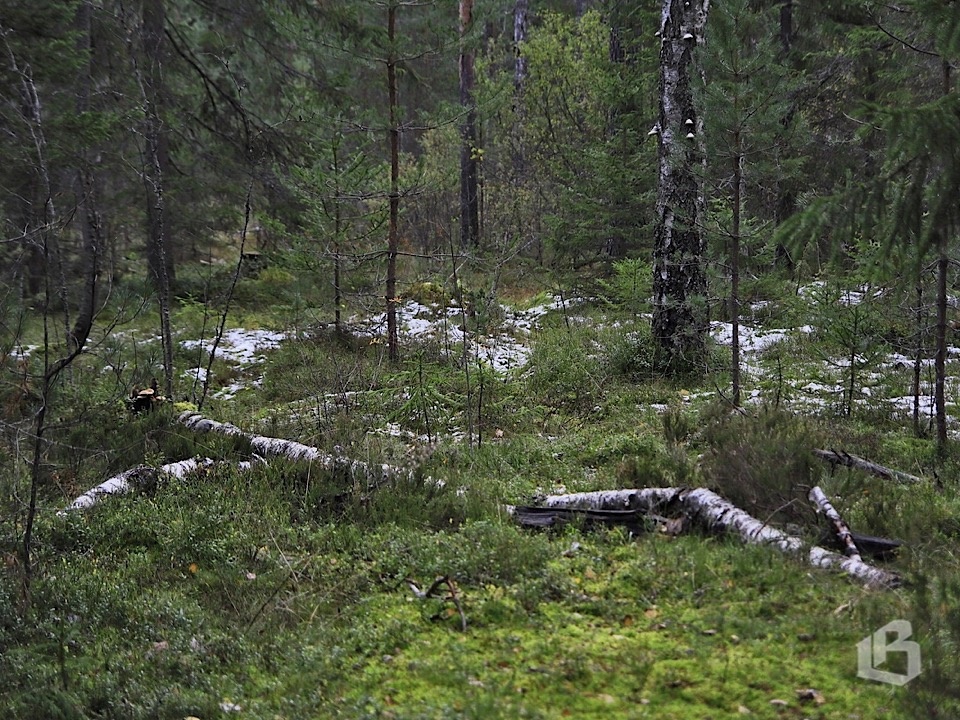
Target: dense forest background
652	175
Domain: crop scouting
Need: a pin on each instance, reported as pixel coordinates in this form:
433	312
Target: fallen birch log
134	477
835	457
840	528
714	513
374	474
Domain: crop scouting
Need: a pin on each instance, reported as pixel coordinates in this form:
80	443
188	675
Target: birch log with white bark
374	474
715	513
840	528
135	476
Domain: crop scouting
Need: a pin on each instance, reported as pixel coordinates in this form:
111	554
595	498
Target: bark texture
469	144
680	319
393	232
373	475
715	514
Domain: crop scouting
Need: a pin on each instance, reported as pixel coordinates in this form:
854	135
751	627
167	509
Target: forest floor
288	592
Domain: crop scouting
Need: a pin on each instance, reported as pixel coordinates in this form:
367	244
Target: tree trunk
918	359
735	270
469	196
940	358
393	232
852	461
786	25
91	226
520	10
679	324
157	164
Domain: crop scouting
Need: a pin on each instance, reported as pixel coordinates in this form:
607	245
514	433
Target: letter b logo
872	653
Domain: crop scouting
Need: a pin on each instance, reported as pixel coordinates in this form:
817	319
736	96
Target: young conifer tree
745	101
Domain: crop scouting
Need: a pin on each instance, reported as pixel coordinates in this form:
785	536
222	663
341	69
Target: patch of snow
754	341
241	347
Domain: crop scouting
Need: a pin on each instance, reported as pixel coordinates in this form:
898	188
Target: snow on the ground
245	348
242	347
504	350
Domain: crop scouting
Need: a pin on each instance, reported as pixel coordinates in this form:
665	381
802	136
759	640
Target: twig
451	595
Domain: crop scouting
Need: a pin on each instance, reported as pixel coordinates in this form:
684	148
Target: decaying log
714	513
143	476
838	457
543	517
877	548
374	475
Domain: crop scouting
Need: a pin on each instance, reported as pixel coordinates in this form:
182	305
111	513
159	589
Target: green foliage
760	463
564	371
631	286
579	133
630	353
849	323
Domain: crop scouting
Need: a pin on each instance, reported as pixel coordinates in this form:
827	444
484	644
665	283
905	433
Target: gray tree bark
393	232
679	284
156	168
469	186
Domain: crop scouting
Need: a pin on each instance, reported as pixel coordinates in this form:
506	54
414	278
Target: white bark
818	498
374	474
119	484
715	513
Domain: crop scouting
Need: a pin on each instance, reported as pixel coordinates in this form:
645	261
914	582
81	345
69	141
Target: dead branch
839	457
451	596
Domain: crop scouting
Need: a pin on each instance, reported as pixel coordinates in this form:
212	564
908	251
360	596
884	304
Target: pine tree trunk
679	284
786	25
735	271
159	255
91	227
469	196
393	233
940	358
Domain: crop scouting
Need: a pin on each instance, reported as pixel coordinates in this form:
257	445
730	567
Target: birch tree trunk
679	323
520	11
